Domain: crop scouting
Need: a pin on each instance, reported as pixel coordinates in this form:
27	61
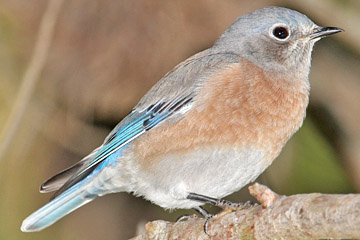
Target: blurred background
63	90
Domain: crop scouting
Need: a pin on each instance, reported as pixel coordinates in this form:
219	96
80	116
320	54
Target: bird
207	128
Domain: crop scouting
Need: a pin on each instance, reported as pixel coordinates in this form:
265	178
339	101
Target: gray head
274	38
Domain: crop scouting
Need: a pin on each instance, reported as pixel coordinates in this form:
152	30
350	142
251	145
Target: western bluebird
209	127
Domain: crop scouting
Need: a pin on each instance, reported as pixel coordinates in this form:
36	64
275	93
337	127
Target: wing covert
134	125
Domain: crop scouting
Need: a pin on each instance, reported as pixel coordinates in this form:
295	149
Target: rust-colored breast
240	106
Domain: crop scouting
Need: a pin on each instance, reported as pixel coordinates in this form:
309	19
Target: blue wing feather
134	125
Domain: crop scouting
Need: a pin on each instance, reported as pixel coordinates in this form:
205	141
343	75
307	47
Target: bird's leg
199	209
183	218
222	203
203	212
207	217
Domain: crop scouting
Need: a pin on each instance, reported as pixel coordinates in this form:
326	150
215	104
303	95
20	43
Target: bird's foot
185	217
208	216
222	203
226	205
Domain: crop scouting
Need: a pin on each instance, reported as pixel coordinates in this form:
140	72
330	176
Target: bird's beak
321	32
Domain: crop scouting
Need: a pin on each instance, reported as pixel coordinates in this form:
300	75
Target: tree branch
303	216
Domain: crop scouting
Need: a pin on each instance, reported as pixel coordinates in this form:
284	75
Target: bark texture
303	216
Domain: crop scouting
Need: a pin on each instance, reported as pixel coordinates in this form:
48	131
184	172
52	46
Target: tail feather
68	201
56	182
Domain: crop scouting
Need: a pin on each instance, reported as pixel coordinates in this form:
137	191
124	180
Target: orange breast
240	106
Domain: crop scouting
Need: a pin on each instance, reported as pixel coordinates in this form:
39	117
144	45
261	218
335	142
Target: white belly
214	173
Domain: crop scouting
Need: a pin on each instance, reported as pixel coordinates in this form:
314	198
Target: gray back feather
188	77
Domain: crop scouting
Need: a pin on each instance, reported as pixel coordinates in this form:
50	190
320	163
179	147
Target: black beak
324	31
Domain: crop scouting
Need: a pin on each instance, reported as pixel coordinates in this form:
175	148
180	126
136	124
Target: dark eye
280	32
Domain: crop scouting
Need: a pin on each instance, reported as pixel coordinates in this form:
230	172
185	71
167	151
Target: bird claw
206	225
227	207
225	204
185	217
208	217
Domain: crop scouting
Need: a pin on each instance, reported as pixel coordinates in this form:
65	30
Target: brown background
105	55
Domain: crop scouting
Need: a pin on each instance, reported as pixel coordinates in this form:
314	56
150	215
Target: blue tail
68	201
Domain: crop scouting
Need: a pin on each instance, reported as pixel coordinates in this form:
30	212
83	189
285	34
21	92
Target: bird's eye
280	33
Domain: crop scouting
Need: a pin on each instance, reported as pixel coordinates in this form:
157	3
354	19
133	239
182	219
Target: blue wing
134	125
73	194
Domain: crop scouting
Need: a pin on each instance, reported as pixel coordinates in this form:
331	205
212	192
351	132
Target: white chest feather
207	171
